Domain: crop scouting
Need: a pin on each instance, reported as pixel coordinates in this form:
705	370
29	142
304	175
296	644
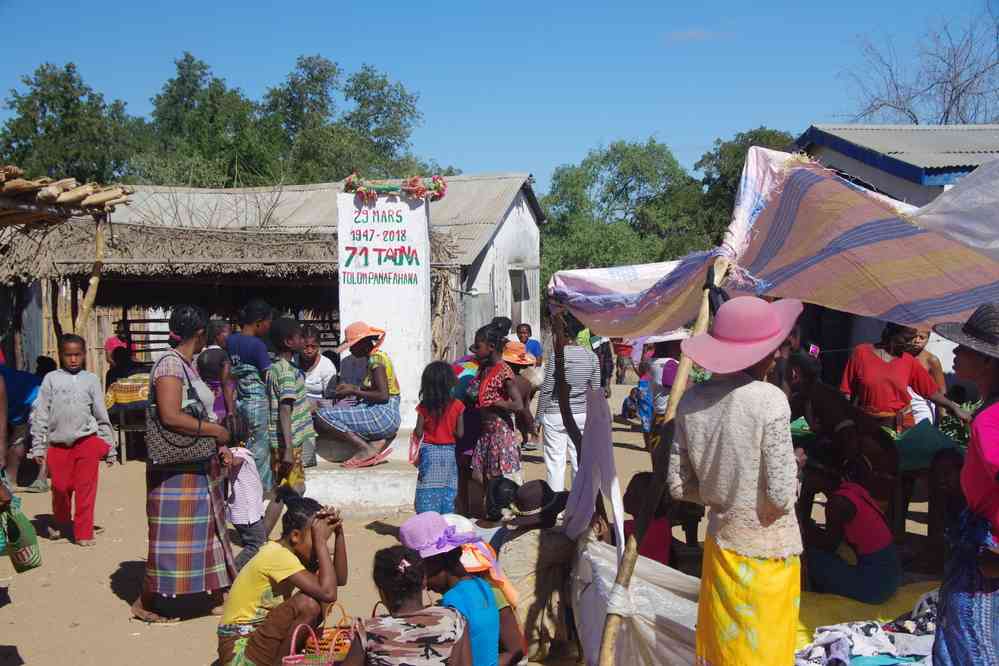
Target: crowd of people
256	398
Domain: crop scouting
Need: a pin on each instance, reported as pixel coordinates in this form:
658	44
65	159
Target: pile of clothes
907	639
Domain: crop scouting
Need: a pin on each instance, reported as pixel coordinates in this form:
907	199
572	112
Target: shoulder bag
168	447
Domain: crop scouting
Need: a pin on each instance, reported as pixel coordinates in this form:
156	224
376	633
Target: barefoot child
290	415
71	431
439	423
263	607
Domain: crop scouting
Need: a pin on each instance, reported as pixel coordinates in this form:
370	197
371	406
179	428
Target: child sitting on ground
853	517
658	540
412	633
439	423
71	431
629	408
438	546
263	609
245	502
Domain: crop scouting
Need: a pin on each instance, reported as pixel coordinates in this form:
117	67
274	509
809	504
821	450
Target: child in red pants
70	429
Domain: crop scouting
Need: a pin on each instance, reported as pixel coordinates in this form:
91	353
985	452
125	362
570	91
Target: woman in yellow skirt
732	452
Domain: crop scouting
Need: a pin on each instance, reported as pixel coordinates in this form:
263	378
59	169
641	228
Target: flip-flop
379	457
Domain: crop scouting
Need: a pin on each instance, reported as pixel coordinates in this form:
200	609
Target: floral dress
496	451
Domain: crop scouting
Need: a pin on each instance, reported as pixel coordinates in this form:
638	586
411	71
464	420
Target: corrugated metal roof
925	146
470	211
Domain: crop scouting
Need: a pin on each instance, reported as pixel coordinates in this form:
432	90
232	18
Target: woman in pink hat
371	419
732	452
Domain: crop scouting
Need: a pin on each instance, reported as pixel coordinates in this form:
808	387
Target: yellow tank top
377	359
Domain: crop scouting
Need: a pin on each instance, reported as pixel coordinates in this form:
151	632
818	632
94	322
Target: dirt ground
75	607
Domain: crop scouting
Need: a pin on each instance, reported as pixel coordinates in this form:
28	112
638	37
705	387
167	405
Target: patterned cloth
423	638
189	547
285	382
747	611
968	605
381	360
496	451
437	483
251	394
489	385
369	421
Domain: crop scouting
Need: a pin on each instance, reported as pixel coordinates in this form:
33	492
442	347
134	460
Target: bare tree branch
953	76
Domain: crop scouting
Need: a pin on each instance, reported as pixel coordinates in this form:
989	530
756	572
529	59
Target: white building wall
895	187
515	245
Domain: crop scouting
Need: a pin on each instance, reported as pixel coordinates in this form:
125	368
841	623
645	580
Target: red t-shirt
981	467
440	429
657	541
883	387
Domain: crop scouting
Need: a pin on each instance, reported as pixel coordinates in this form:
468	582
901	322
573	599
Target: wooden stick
95	277
612	624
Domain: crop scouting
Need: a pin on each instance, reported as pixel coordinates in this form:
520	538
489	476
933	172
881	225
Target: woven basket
306	659
334	639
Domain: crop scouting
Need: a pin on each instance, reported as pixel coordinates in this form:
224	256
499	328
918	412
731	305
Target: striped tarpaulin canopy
801	231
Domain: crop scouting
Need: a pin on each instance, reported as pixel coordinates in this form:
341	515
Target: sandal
376	459
140	613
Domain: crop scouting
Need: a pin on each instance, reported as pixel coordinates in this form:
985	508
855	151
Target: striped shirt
246	492
582	372
285	383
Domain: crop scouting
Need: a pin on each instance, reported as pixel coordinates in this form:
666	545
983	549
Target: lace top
732	452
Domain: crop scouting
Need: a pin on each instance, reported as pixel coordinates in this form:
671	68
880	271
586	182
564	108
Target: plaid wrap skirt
189	550
369	421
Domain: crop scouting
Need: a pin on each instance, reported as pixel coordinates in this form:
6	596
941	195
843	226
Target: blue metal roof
928	155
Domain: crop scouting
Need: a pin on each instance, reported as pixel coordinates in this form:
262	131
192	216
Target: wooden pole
612	624
95	276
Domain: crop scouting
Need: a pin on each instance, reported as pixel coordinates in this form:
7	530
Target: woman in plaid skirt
189	551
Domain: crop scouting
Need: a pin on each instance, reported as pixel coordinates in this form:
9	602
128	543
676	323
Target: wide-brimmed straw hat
516	353
429	534
980	333
745	330
358	331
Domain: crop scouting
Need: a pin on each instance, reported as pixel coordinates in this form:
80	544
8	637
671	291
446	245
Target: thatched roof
157	253
44	200
469	214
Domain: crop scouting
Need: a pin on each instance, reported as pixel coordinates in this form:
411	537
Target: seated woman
852	517
368	416
285	584
412	632
878	377
440	547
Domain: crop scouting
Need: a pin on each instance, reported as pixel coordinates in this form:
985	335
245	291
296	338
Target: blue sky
503	86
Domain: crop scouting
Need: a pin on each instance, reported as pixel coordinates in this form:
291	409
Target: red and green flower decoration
414	187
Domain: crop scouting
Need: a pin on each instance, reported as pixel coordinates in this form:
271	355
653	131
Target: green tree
180	97
62	127
307	98
384	111
722	169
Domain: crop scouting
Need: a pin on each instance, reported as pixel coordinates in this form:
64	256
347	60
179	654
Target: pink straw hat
745	330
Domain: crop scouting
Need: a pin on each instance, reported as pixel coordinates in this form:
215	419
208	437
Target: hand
322	528
222	437
345	390
5	496
225	455
39	459
800	457
963	414
333	517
